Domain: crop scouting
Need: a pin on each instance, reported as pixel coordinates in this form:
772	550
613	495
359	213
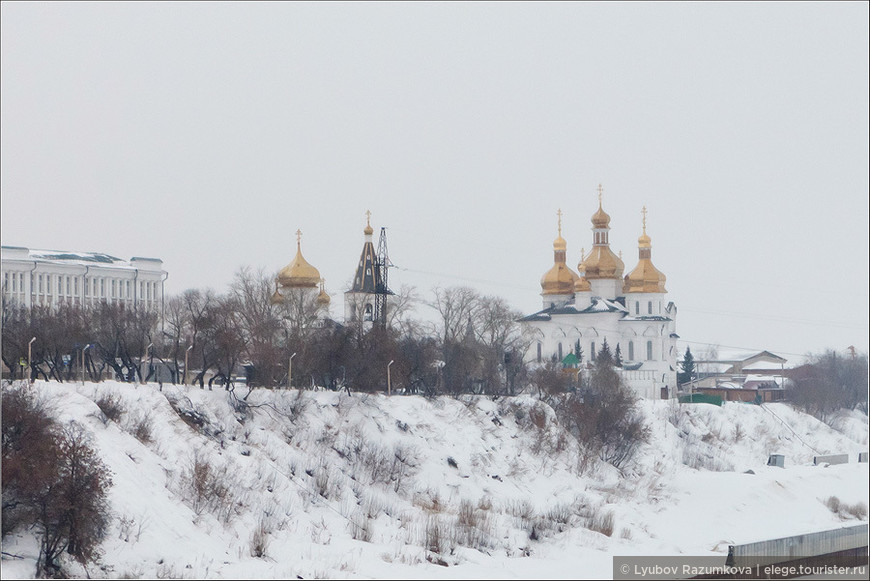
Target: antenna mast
382	289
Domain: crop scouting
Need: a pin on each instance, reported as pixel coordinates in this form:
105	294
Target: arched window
592	351
539	352
649	351
631	350
636	307
368	314
560	352
649	307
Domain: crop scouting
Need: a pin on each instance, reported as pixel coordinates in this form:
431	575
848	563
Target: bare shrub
73	511
436	535
129	529
53	480
601	521
603	415
560	514
474	528
142	429
259	540
208	489
845	510
858	510
325	484
521	509
110	405
625	534
702	456
361	527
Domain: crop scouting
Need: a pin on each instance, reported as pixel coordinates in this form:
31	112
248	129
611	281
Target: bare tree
261	324
456	306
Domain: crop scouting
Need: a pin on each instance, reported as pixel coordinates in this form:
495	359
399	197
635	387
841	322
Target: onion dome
600	219
322	298
560	279
368	230
299	274
601	262
581	284
277	298
645	278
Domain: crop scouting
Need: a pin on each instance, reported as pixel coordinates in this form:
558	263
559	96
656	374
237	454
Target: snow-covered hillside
331	485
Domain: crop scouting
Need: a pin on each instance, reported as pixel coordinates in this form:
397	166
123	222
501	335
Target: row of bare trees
472	344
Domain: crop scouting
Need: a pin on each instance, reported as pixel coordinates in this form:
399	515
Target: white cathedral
597	303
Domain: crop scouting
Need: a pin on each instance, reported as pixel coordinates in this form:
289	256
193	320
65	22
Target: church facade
581	310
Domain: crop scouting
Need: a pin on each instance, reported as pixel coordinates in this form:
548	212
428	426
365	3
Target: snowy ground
329	485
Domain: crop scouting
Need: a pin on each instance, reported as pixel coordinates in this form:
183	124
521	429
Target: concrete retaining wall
800	546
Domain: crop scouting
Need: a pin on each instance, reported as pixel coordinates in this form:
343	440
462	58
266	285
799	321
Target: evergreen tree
578	351
688	366
604	357
617	356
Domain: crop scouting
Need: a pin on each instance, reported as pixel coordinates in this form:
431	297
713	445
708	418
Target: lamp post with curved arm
290	371
389	386
84	350
144	357
30	360
186	353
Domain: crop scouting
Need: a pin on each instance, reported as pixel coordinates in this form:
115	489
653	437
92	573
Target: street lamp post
30	360
144	357
389	386
186	353
290	371
85	350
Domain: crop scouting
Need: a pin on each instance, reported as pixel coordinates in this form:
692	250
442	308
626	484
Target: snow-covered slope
331	485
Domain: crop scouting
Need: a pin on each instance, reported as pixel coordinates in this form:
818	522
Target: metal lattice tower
382	289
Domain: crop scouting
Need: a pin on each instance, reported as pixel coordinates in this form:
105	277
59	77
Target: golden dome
299	274
560	279
559	243
645	278
581	284
323	298
602	263
600	219
277	298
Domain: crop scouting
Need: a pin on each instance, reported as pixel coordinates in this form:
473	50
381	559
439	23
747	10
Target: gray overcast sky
206	134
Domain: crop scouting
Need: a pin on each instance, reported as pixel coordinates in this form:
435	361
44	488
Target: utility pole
382	289
30	359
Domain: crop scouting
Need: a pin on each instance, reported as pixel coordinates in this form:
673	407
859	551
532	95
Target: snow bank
324	484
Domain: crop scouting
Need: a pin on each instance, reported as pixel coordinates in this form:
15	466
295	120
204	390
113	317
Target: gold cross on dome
368	218
559	213
644	219
600	191
298	237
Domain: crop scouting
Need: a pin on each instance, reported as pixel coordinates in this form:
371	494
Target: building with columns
597	303
50	278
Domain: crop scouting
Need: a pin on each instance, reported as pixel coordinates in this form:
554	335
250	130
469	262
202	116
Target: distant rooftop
68	257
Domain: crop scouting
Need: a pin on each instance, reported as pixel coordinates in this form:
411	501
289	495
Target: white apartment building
50	277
